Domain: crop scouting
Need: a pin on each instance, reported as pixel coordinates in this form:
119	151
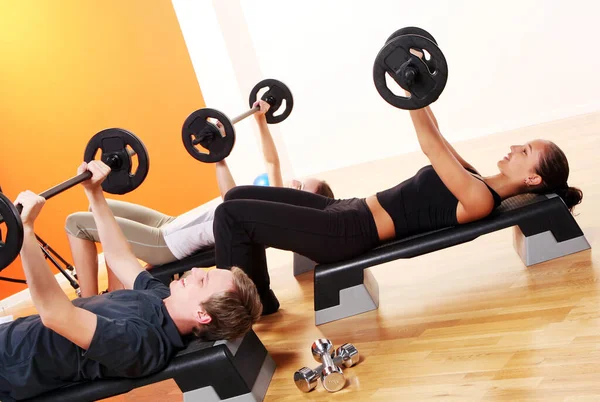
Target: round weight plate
427	85
113	142
279	91
411	31
416	31
12	240
197	130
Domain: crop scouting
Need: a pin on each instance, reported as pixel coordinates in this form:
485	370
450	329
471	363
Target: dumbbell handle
65	185
327	361
337	360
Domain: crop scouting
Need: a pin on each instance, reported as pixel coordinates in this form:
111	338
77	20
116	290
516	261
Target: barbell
198	130
118	146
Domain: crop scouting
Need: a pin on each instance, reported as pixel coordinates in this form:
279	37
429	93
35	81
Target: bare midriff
383	220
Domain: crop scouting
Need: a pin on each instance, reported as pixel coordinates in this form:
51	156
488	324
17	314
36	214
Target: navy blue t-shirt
135	336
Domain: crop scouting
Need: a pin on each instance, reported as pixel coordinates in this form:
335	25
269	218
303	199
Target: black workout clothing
423	203
322	229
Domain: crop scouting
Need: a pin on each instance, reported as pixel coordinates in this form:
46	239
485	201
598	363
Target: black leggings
320	228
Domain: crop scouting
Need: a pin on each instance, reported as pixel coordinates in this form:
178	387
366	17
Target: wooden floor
467	323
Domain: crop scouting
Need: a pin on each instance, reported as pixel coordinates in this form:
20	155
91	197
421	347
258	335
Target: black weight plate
416	31
411	31
197	130
113	142
278	91
428	85
13	240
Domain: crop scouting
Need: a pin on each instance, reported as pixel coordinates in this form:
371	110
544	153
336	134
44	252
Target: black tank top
423	203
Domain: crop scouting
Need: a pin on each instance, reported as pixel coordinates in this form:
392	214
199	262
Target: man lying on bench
128	333
449	192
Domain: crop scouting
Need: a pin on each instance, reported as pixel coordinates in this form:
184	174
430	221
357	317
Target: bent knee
221	213
226	214
78	225
239	192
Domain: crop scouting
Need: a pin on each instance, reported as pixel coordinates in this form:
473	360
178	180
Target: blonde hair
232	313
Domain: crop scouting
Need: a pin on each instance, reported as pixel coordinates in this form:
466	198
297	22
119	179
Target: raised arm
472	194
459	158
427	109
269	150
224	178
271	157
117	253
52	304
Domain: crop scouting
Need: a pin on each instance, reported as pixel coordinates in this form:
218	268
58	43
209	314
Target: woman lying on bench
446	193
130	333
157	238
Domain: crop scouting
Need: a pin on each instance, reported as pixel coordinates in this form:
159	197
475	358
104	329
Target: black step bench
544	230
239	371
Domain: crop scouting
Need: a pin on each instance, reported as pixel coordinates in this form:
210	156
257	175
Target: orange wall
69	69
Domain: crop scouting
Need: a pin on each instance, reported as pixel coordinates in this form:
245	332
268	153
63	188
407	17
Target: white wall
511	64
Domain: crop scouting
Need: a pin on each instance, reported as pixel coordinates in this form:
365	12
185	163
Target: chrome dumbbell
347	355
332	376
306	379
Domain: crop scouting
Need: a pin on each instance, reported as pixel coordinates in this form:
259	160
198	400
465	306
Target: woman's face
521	162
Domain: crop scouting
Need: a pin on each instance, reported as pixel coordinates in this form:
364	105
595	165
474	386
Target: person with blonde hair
158	238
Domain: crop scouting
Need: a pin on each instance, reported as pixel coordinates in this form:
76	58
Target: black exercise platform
544	230
239	371
166	272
